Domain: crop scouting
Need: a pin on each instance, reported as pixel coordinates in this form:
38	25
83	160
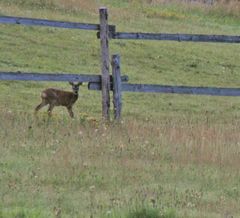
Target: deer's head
75	87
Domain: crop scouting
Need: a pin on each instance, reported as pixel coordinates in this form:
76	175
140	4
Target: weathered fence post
104	34
117	86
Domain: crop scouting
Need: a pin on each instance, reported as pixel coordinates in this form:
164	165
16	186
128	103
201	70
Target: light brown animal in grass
55	97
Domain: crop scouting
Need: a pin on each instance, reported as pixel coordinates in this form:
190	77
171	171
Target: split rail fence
115	82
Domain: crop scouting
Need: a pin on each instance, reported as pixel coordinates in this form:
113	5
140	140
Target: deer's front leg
70	111
50	108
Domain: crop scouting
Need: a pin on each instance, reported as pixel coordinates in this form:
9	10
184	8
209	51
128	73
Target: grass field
172	156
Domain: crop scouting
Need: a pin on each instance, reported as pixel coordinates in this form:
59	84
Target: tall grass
85	168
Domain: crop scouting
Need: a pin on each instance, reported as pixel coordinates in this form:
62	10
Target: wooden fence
104	30
117	83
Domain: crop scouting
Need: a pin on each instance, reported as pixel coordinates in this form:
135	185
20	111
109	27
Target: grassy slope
181	151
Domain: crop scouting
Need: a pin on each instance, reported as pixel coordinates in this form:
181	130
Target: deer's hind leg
42	104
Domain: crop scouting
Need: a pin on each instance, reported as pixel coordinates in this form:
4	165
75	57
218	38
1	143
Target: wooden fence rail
148	88
51	23
177	37
54	77
119	35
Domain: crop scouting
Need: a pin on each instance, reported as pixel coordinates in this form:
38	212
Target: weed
149	212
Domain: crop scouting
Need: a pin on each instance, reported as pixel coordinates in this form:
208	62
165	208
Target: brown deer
55	97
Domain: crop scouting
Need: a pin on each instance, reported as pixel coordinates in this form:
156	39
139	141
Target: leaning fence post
104	34
117	86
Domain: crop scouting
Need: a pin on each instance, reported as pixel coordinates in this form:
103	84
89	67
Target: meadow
171	156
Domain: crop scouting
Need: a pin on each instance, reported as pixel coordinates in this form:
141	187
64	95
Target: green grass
171	156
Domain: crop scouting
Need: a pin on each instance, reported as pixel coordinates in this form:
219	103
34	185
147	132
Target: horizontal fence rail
119	35
51	23
173	89
54	77
177	37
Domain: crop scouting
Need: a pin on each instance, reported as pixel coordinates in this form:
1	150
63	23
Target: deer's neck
75	95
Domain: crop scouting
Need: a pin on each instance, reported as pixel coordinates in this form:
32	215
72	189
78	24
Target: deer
56	97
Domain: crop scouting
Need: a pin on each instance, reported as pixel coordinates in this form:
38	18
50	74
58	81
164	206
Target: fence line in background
105	82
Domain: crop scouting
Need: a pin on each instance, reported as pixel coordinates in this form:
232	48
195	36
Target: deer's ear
79	83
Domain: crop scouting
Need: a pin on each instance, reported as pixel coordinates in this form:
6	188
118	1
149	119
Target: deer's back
59	97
